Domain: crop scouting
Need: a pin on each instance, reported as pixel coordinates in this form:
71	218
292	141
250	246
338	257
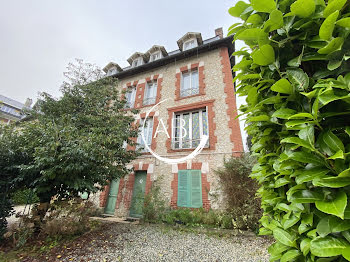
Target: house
196	82
11	110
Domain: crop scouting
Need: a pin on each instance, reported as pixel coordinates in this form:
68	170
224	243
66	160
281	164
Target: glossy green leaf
306	175
282	86
297	141
304	157
259	118
283	113
334	207
303	8
334	45
289	222
298	78
332	141
346	253
327	27
305	246
290	255
238	9
284	237
254	19
333	6
306	196
327	246
331	181
301	116
338	155
264	56
265	6
345	22
275	21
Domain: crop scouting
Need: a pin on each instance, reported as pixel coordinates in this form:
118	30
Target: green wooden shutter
183	188
196	189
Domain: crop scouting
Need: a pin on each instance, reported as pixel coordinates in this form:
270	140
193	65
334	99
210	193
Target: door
112	197
138	194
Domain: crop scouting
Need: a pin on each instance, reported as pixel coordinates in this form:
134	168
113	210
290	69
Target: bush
239	191
296	77
24	196
154	205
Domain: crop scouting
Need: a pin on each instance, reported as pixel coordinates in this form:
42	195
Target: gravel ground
130	242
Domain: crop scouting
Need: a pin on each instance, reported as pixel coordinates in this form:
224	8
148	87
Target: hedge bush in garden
296	77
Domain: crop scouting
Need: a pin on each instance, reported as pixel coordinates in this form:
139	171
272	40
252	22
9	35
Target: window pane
186	142
149	131
195	129
186	81
205	125
176	138
195	82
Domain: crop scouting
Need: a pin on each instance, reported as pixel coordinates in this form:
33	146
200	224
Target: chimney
218	32
28	102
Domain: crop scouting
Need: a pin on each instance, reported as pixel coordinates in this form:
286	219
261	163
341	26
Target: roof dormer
190	40
112	68
156	52
138	59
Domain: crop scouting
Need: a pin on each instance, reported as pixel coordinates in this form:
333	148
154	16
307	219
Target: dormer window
112	71
155	56
190	44
137	62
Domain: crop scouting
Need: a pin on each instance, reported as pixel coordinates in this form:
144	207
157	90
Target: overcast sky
40	37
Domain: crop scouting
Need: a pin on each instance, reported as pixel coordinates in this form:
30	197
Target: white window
148	132
150	93
190	44
155	56
112	71
130	97
137	62
190	84
188	129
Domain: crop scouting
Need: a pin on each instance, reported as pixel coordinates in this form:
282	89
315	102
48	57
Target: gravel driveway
130	242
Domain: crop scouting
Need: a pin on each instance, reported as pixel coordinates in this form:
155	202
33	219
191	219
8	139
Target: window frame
112	71
195	44
138	60
155	53
139	137
128	104
190	135
150	100
182	89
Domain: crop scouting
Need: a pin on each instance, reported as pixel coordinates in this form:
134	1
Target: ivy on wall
296	79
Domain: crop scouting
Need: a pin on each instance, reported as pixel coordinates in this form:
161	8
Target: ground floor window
189	189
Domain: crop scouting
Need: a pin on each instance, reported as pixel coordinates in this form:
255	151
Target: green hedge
24	196
295	76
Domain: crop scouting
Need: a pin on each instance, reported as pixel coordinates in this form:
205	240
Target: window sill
172	150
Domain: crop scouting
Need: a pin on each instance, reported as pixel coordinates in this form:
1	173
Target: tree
81	73
296	77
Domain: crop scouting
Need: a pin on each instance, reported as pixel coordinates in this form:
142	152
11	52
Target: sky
38	38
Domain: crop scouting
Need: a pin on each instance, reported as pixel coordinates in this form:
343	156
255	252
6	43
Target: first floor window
188	129
190	84
150	93
130	97
148	132
189	192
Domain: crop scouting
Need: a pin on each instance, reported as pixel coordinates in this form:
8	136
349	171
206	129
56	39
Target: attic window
155	56
190	44
137	62
112	71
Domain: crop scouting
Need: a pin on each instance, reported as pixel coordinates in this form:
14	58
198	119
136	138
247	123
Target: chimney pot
218	32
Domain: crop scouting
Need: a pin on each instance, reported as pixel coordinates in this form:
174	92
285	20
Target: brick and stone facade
216	94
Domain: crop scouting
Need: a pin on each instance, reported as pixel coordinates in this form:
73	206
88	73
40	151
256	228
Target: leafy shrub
296	77
240	192
24	196
154	205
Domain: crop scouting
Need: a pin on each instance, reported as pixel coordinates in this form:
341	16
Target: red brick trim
233	123
104	196
193	106
205	186
140	90
120	192
201	78
129	186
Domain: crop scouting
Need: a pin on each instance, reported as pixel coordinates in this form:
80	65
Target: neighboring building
11	110
197	79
